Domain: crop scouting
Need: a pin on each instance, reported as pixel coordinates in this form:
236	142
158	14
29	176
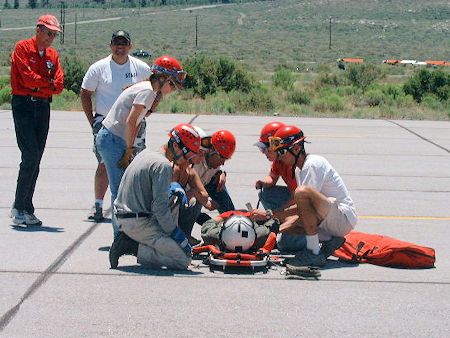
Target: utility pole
196	31
63	21
75	27
329	45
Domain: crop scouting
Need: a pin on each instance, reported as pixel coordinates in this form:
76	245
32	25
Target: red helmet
269	130
186	137
224	143
286	137
170	66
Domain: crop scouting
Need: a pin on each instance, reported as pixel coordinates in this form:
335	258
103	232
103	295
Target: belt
41	99
132	215
35	98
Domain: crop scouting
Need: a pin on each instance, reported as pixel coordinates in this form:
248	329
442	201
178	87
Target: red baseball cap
49	21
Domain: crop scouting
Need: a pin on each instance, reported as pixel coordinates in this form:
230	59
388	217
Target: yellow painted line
425	218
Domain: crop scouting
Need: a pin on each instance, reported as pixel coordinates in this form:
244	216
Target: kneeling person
142	205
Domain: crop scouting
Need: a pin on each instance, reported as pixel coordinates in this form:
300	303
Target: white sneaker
31	219
17	216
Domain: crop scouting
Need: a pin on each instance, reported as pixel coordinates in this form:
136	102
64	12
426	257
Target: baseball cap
49	21
121	34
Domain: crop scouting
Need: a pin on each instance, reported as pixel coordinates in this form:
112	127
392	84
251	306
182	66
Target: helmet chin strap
174	154
296	156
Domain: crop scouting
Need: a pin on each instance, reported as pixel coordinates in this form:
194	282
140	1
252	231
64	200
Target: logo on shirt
130	75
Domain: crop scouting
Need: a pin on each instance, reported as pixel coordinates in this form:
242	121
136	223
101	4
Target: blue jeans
111	149
274	198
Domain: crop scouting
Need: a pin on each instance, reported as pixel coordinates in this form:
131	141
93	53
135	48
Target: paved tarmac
56	280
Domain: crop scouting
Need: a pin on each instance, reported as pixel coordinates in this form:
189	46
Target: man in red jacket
36	75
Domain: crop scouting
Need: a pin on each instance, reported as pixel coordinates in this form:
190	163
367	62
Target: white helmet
204	138
238	233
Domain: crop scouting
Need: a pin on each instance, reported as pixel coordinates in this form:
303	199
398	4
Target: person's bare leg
100	182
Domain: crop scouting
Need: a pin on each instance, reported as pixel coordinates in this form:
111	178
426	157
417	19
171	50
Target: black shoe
330	246
122	245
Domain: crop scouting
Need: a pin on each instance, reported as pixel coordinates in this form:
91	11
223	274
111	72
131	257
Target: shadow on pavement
36	228
336	264
139	269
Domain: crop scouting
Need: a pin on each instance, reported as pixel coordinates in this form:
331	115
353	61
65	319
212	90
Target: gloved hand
274	225
176	190
126	158
178	236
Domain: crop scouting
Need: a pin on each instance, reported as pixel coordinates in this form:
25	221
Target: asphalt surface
56	280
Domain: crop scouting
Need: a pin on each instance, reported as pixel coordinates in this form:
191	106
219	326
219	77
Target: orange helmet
267	131
186	137
224	143
285	138
170	66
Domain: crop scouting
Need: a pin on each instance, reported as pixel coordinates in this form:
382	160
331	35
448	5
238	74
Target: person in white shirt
323	209
105	80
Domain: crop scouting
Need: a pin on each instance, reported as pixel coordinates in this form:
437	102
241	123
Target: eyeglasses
51	34
120	42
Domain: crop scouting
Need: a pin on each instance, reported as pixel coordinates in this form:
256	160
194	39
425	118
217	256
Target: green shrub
177	106
432	101
332	102
5	95
67	100
298	97
259	99
328	79
425	81
362	75
206	75
4	81
374	97
74	70
283	78
222	104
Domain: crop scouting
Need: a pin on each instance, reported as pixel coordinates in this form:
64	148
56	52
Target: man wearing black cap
108	77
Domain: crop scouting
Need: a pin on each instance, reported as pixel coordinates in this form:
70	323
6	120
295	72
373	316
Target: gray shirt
144	188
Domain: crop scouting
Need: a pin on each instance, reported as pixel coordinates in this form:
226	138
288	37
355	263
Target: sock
312	243
99	202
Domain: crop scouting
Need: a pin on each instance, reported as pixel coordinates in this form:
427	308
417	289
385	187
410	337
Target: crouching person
142	207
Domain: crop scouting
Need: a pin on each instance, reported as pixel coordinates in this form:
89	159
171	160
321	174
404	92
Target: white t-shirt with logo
138	94
108	79
318	173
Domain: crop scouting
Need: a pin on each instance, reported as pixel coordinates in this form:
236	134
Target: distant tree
428	82
16	4
44	3
6	5
362	75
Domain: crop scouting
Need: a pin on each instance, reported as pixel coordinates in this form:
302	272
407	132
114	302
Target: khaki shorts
335	223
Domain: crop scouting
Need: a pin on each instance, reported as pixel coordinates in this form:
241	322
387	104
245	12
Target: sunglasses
120	42
51	34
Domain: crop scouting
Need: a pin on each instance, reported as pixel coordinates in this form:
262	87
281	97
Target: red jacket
32	74
280	169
